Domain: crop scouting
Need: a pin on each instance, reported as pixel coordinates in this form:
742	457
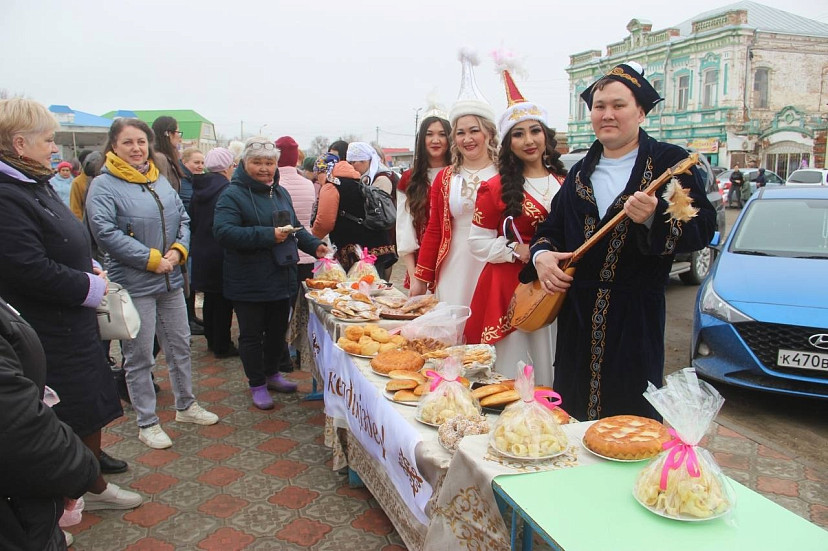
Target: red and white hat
518	108
470	100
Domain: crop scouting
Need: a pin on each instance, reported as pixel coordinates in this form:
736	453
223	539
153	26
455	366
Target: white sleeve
406	237
486	246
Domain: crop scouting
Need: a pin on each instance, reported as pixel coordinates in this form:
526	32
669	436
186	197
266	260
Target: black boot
120	383
110	465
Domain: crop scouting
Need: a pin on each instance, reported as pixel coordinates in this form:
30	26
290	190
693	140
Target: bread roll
410	375
405	396
380	335
354	332
351	347
421	389
388	346
501	398
370	348
400	384
488	390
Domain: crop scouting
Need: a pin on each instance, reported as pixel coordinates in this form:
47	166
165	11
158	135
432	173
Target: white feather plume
506	60
467	53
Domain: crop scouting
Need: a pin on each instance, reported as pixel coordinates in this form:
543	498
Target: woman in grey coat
139	220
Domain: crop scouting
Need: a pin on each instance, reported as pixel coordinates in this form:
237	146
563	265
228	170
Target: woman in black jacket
207	255
48	276
42	461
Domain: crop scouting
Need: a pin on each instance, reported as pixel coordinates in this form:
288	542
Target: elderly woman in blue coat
257	226
138	219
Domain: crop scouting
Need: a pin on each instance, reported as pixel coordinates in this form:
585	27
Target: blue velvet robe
611	326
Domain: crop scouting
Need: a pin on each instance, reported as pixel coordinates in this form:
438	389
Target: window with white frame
582	109
682	93
658	86
710	91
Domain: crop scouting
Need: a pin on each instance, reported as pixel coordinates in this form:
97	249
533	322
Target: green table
591	508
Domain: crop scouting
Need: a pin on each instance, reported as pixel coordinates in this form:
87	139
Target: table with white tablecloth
435	499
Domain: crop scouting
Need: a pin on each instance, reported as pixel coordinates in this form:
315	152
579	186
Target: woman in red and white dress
508	209
430	156
444	264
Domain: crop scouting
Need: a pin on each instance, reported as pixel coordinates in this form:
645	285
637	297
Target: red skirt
489	321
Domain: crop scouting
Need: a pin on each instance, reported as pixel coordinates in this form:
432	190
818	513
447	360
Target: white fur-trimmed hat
470	100
518	109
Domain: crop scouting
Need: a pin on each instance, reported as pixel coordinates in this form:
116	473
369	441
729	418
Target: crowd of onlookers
487	204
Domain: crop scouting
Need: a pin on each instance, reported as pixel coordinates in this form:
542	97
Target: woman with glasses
140	222
168	160
255	223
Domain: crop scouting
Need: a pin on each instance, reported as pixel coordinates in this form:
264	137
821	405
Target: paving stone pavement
262	480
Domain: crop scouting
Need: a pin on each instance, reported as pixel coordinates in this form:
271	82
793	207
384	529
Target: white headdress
470	100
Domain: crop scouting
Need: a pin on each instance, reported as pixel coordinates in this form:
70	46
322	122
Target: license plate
802	360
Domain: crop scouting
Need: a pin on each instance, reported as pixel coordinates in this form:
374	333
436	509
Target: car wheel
700	262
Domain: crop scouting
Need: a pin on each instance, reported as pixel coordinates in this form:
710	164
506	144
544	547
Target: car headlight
716	306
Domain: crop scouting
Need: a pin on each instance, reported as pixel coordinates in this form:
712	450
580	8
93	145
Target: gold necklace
545	193
473	173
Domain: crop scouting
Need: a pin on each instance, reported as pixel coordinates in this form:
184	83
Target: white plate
324	306
596	454
355	355
526	458
683	518
390	397
352	320
386	375
435	425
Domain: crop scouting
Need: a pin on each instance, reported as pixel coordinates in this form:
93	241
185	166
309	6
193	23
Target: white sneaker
70	539
196	414
154	437
114	497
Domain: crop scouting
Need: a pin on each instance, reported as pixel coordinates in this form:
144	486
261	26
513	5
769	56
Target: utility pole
416	125
242	131
376	141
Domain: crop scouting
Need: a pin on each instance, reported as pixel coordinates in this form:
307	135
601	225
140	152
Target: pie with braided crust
628	437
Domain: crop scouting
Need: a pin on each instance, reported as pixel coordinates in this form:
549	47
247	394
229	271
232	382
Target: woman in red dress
508	209
430	156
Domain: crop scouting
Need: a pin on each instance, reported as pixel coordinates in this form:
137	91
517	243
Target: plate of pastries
366	341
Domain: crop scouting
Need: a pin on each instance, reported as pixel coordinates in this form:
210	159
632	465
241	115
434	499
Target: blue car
761	318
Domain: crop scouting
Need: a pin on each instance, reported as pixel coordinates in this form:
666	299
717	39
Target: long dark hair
417	191
341	148
118	127
511	170
161	126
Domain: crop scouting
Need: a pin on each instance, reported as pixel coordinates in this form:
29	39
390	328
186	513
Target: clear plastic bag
684	481
442	326
364	266
329	269
527	429
447	397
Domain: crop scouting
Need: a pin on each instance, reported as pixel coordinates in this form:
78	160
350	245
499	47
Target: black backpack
380	212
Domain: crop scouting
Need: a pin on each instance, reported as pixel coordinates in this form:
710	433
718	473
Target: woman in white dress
445	264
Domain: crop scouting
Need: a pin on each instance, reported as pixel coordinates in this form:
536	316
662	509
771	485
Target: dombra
532	308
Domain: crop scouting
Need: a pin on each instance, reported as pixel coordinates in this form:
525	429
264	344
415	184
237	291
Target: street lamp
261	128
416	124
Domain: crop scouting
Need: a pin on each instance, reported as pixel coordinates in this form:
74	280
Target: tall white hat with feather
470	100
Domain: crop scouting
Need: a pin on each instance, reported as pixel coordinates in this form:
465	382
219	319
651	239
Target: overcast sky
308	68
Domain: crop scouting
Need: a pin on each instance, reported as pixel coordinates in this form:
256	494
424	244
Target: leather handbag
533	308
118	318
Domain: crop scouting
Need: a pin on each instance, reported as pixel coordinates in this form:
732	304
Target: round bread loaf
626	437
388	361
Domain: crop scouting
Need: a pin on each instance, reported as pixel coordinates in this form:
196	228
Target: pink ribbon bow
436	379
541	396
324	263
365	256
680	453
